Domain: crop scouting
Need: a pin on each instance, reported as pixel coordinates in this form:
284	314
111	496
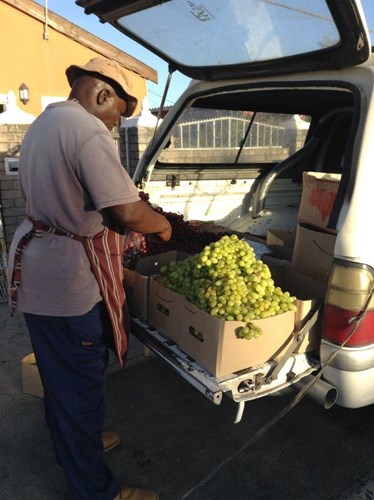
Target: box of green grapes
212	342
228	310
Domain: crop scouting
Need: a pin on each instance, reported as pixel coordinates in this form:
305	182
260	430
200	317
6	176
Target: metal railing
227	132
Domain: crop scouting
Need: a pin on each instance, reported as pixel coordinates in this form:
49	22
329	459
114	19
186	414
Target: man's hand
165	235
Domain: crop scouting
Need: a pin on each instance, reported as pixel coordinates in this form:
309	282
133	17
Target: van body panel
222	152
355	241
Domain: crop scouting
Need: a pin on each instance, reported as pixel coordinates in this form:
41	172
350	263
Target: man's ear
103	96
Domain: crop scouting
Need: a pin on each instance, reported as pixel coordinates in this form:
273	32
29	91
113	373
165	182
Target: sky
75	14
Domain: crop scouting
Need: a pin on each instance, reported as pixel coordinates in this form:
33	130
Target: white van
279	88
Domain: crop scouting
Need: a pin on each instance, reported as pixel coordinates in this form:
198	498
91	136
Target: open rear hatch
219	39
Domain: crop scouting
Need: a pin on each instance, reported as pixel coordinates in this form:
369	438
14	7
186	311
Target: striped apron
105	252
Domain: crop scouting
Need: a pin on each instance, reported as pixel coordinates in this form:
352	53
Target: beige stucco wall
27	57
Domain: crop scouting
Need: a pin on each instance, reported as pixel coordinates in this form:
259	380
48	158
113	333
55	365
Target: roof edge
83	37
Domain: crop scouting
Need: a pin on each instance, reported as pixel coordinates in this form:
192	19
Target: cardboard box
165	309
281	243
309	292
313	253
318	198
213	343
31	383
137	281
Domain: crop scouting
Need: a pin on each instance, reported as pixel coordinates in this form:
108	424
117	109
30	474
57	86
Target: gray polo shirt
69	170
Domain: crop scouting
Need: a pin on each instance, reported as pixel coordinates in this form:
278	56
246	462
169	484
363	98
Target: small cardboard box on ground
213	343
31	383
137	281
313	253
318	198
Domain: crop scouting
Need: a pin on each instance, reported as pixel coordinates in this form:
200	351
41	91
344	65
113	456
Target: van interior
260	171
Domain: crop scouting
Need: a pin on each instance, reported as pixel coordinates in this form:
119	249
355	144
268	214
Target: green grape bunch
249	331
228	282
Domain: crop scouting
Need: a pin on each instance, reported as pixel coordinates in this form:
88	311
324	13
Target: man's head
101	86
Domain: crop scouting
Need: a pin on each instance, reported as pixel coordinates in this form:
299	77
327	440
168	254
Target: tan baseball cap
112	70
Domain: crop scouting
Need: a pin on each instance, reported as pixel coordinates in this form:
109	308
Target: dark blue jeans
72	355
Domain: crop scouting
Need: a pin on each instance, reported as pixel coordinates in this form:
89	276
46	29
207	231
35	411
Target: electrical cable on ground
355	321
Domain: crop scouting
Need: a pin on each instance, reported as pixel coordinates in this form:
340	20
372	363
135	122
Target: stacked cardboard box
314	244
281	243
318	198
313	253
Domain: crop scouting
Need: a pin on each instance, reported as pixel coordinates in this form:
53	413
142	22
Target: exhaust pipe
320	391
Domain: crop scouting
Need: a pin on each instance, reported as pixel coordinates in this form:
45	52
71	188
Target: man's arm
139	216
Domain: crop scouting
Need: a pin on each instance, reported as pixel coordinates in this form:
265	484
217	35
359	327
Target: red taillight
336	327
348	295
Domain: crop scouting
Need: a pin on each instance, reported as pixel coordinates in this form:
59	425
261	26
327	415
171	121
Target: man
65	264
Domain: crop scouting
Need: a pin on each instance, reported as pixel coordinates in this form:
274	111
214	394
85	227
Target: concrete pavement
173	438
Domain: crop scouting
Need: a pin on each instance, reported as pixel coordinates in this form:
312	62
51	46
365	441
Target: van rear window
210	136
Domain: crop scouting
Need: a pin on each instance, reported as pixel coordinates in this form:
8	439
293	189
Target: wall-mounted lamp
24	93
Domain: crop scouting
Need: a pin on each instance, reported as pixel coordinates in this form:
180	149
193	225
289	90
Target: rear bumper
355	389
353	359
351	372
